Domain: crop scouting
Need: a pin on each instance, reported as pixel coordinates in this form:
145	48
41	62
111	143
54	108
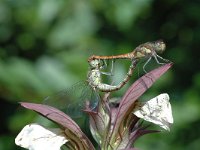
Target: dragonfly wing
94	99
72	100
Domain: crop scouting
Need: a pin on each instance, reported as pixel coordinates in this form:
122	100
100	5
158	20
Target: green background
44	46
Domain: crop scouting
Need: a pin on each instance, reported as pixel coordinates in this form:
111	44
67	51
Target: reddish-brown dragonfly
148	50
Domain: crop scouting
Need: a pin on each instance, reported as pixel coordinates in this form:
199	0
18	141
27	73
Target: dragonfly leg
146	64
111	70
166	60
104	65
156	58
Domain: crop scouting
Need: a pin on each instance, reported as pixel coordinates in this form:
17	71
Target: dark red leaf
60	118
135	91
99	120
138	133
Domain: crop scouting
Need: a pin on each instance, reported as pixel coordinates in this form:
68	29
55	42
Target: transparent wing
72	101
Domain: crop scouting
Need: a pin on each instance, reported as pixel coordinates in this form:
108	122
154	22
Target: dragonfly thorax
94	75
142	51
94	78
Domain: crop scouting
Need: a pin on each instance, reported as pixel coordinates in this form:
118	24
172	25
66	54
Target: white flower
36	137
157	110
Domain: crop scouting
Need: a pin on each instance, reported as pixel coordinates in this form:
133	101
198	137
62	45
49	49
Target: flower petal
157	110
72	130
36	137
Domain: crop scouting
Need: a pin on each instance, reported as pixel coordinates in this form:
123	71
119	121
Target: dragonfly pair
72	101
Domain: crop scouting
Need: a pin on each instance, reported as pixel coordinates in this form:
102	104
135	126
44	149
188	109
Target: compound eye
160	46
94	63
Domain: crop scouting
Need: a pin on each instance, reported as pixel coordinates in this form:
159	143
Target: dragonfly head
95	63
159	46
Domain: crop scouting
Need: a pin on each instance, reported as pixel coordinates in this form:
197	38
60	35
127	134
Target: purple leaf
138	133
62	119
135	91
99	120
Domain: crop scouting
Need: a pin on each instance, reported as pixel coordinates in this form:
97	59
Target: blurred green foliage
44	46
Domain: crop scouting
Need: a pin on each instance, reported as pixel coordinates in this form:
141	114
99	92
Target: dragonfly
146	50
73	100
